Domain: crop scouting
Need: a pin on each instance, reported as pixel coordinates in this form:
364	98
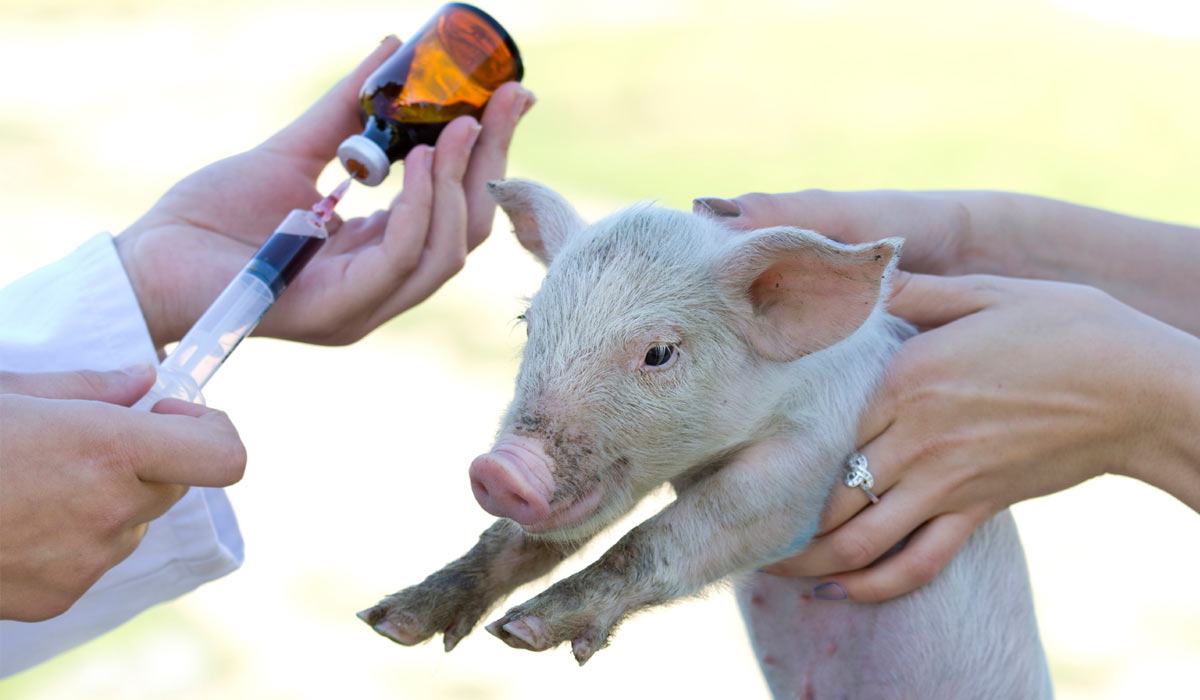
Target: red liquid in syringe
324	208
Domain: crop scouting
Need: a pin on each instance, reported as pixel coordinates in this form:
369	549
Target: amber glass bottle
449	68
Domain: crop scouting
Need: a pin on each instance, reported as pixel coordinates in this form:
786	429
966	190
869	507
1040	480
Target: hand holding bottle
195	239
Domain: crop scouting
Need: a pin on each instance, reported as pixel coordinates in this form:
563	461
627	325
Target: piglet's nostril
503	487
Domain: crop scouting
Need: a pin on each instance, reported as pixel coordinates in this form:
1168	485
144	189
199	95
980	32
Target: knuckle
92	383
475	236
757	207
852	551
923	567
110	450
455	262
933	447
406	262
230	454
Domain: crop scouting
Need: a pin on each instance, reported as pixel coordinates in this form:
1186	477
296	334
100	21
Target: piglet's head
658	344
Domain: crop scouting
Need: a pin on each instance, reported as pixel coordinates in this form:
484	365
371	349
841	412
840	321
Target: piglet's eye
659	355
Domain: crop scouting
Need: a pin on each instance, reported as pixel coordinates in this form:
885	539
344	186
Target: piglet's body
663	347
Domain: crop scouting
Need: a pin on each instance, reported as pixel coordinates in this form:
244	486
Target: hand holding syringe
242	304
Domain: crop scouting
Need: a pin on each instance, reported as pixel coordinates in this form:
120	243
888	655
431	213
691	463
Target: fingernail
428	164
139	369
829	591
525	100
473	134
715	206
389	36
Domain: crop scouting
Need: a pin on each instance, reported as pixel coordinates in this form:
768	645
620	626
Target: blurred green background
357	485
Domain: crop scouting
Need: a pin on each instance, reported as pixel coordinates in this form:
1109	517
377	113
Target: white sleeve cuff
77	313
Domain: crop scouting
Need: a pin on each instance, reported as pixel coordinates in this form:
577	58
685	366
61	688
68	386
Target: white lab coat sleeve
81	313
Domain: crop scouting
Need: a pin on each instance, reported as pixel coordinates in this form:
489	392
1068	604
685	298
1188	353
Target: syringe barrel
224	324
237	310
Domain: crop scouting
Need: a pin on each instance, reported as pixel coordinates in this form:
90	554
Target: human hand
83	476
195	239
1022	388
1144	263
935	225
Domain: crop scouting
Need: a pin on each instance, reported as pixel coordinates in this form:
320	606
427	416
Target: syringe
239	308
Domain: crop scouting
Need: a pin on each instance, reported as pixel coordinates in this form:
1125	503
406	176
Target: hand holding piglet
1022	389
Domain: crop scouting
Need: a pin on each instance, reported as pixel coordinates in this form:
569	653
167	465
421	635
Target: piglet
665	347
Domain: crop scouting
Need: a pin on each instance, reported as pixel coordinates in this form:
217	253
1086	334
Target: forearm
1149	265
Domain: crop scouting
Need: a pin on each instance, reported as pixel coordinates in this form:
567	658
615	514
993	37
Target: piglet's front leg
454	598
719	525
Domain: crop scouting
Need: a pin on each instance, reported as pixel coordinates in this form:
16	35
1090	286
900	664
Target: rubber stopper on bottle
364	160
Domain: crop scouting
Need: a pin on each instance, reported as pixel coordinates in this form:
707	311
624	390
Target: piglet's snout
514	480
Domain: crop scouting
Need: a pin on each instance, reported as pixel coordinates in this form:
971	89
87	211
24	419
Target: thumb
929	301
122	387
316	133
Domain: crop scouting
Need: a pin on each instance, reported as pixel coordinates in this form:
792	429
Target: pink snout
514	480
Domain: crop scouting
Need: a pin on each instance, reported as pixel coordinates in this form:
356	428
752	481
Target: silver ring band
858	476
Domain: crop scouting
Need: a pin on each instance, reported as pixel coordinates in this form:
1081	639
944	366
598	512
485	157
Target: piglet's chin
573	514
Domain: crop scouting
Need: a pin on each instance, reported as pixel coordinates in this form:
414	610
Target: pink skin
515	481
573	514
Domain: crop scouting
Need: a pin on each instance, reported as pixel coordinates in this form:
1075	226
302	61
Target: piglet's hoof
406	632
522	633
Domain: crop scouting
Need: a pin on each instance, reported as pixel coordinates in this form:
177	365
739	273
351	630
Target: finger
931	300
445	247
812	209
179	407
846	501
489	157
196	446
358	232
862	540
927	552
448	227
316	134
122	387
408	219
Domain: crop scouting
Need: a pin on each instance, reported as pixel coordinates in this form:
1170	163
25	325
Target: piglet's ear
796	292
541	218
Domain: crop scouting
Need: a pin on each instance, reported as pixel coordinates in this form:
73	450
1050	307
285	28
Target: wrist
148	298
1168	456
991	224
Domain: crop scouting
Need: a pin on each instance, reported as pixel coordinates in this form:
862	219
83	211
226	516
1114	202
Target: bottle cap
364	160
